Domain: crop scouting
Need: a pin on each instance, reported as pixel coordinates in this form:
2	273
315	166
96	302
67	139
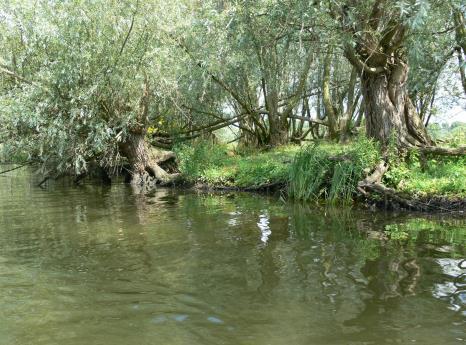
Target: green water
104	265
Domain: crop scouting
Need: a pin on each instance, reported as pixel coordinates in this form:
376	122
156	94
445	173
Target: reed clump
317	173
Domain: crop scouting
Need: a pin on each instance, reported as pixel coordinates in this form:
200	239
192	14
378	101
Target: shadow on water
98	265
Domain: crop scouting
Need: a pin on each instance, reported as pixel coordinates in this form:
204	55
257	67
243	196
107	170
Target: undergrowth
217	165
7	155
437	177
325	171
195	159
319	173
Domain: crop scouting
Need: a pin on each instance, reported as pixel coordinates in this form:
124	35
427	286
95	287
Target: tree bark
377	56
389	110
145	168
278	135
327	99
460	35
144	161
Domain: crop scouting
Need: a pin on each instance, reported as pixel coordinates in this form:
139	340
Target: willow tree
260	56
376	43
84	80
431	59
341	100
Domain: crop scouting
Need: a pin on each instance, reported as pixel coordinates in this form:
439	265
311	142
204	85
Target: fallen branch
372	183
443	151
379	188
376	176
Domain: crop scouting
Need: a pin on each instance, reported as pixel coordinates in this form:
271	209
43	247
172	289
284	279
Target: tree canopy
101	82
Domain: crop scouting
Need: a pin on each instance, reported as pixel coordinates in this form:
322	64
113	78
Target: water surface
105	265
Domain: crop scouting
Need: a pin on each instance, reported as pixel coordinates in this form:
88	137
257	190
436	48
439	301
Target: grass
307	170
441	177
219	165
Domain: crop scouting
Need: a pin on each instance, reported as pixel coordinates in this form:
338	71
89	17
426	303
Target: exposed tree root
391	194
146	162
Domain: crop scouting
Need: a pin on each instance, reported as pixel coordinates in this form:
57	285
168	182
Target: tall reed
316	174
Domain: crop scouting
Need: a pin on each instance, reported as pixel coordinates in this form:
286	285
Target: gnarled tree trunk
326	98
278	134
379	57
145	168
144	161
389	110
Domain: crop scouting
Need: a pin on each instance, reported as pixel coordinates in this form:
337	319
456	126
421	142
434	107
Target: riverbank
330	173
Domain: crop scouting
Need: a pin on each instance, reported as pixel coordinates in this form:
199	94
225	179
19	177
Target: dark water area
107	265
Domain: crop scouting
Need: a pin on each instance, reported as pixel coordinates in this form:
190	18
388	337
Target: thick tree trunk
278	125
278	136
389	110
145	169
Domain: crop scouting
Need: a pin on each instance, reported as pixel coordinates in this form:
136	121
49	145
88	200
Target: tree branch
6	71
362	67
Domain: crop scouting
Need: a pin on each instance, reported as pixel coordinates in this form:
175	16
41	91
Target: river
106	265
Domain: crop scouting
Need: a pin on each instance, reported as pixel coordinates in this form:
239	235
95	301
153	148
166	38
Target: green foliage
82	66
196	160
216	166
251	172
437	176
7	155
88	64
315	173
453	135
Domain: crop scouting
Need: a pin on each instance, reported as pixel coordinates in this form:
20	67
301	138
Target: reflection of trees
319	264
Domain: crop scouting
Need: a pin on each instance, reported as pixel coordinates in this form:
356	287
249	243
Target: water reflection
453	288
263	225
107	265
